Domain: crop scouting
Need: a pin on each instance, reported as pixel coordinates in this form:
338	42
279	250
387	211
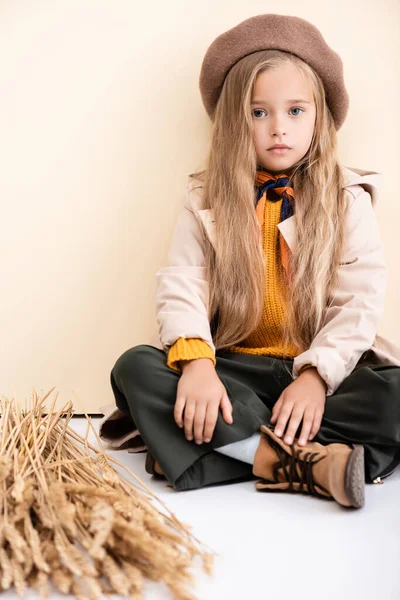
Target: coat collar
370	181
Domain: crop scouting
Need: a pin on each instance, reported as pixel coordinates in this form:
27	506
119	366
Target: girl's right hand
200	393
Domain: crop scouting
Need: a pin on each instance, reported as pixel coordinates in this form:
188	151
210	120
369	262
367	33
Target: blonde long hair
236	267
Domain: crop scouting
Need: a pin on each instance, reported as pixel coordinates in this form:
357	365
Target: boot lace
305	464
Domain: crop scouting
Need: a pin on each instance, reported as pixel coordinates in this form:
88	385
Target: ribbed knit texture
187	349
266	339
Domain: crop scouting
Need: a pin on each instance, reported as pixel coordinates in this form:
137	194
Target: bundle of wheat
70	519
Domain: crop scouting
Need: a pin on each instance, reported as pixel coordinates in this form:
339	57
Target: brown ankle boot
334	470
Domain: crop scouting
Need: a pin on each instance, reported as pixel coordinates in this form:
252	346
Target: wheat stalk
70	519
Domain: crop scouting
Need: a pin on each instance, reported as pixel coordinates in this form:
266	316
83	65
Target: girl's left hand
303	399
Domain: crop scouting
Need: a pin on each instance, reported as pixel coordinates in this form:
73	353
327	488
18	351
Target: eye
263	111
258	110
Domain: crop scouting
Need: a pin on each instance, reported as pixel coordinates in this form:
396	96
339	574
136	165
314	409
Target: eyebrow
288	101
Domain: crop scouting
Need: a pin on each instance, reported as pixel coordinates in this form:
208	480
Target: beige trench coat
351	322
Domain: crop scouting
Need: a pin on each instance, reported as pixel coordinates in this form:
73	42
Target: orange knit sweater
266	339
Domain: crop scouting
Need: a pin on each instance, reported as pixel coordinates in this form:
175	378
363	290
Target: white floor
282	545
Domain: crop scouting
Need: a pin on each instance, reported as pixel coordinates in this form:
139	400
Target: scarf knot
275	187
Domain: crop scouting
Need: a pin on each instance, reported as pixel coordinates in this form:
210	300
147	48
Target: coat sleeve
181	286
353	314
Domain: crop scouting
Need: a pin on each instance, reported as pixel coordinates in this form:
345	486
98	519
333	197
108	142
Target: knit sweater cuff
188	349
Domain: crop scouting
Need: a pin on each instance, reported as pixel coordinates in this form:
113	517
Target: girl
275	285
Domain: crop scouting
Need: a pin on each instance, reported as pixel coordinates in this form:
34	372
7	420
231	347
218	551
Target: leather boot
332	471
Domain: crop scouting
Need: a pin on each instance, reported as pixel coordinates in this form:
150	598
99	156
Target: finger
316	424
283	418
308	420
178	410
294	423
210	421
276	409
198	422
188	420
226	409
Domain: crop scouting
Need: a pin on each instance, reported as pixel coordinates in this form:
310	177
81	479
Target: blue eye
296	108
258	109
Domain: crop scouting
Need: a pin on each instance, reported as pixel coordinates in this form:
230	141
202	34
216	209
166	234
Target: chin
277	167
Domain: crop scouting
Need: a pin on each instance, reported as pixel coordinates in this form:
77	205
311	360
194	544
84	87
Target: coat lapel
206	216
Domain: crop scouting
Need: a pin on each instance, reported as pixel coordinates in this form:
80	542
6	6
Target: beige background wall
101	123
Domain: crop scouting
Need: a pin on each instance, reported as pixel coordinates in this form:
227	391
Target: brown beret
280	32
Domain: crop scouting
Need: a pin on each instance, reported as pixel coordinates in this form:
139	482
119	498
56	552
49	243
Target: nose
277	126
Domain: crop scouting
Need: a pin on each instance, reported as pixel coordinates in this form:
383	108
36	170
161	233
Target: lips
279	150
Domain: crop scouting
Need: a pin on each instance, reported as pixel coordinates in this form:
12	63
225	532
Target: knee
132	362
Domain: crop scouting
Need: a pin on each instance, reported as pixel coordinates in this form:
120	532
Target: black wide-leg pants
365	409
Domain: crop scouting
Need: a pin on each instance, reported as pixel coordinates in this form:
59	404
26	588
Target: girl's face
283	111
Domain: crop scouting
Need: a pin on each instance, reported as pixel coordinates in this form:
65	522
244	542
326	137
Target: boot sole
355	477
